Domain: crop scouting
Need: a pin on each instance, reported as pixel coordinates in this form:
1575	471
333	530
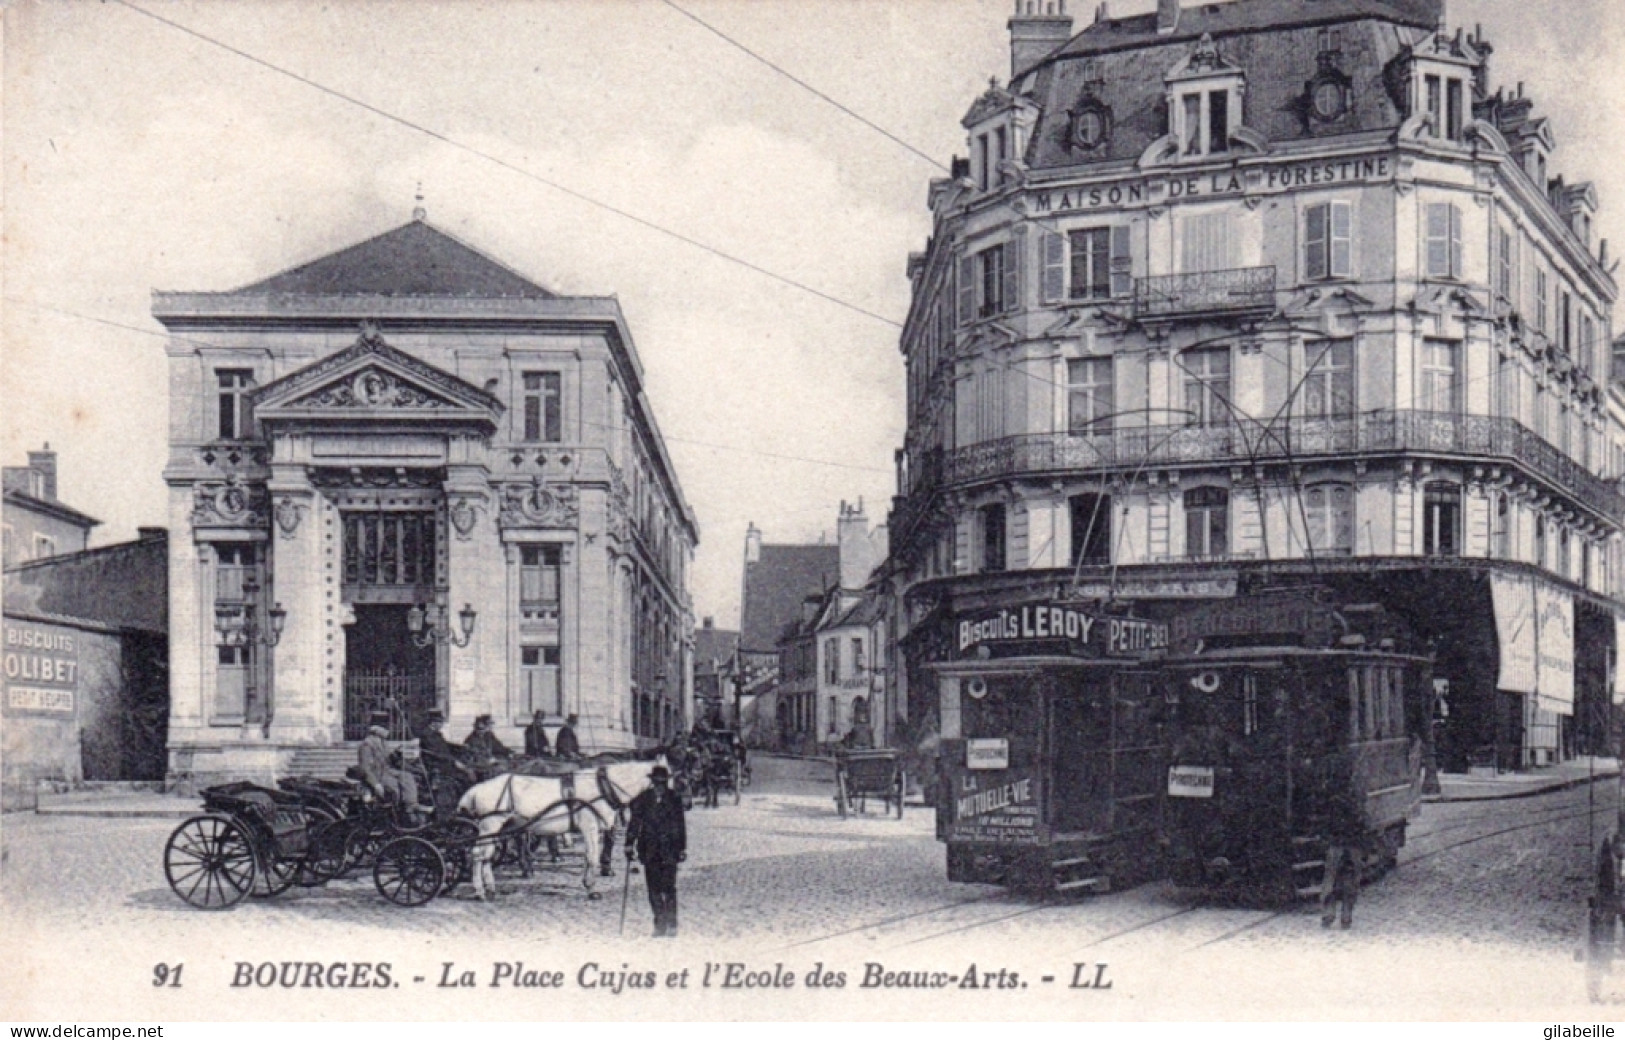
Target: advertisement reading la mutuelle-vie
802	511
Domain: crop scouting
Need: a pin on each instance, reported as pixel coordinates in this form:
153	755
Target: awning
1534	625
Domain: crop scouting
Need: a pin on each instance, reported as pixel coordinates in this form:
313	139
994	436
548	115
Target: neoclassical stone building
404	477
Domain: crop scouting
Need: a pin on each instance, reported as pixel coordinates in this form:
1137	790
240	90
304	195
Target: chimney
753	544
151	534
1037	30
43	462
708	624
1167	16
855	547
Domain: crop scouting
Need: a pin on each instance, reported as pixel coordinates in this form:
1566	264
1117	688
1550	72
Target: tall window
1328	241
992	524
1089	396
832	661
1453	113
1441	519
1205	122
1207	385
1443	243
1565	315
539	680
1433	87
235	566
538	579
1503	263
988	283
1328	380
543	407
858	665
1091	264
1330	512
1540	542
1500	527
235	420
1440	385
1091	529
1206	243
1542	301
1207	523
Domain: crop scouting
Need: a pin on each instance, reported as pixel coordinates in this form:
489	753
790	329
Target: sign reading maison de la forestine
1225	183
1058	627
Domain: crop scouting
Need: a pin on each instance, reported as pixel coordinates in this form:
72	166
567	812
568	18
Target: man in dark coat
1342	802
536	743
485	749
440	755
565	745
658	838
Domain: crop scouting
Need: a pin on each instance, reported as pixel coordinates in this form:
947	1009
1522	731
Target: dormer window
998	125
1204	102
1441	77
1444	98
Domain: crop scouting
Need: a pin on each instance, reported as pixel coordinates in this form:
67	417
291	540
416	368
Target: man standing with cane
658	837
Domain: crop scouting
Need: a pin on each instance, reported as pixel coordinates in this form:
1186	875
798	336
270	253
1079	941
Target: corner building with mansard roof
1272	291
405	478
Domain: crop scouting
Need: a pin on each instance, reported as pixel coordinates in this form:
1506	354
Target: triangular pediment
371	379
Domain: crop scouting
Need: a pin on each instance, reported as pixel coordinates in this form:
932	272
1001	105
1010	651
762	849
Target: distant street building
716	652
402	478
35	523
777	581
1236	295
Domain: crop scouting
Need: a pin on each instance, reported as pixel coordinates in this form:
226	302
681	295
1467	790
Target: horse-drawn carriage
861	775
261	841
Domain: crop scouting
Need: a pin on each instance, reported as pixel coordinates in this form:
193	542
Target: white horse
585	800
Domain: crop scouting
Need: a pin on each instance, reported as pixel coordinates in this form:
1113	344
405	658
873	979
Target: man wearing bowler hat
657	836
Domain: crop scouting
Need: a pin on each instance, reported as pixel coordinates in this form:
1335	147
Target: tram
1273	700
1051	760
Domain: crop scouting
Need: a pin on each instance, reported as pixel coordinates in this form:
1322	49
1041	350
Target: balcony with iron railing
1205	292
1490	438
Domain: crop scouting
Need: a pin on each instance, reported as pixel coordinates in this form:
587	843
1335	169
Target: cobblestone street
1481	919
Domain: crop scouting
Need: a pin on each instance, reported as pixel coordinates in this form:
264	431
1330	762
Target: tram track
1546	816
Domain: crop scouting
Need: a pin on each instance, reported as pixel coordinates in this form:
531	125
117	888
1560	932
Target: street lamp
238	625
430	623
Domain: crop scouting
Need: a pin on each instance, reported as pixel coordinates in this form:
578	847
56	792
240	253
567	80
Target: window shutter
967	289
1012	276
1455	242
1122	261
1438	240
1054	282
1314	243
1342	238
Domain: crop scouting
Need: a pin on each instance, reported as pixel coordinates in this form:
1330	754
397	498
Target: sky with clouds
137	157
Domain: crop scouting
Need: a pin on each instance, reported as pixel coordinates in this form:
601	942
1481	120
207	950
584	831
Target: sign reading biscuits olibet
41	670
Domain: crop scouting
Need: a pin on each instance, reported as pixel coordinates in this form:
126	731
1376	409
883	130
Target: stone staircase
326	763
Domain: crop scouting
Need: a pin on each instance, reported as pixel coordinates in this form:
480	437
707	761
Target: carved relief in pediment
372	387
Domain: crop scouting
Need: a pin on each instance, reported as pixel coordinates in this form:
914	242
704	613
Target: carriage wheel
209	861
326	857
457	840
362	844
274	876
409	871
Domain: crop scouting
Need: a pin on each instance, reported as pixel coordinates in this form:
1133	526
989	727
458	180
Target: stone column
476	674
297	577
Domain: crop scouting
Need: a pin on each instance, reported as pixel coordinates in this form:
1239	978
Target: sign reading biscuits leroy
41	669
1057	628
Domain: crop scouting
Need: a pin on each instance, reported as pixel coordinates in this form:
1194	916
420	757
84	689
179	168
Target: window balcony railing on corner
1205	292
1301	437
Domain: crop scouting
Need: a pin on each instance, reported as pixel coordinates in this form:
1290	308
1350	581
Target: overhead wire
798	81
512	167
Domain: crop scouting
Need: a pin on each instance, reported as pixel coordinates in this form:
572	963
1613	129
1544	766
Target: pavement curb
1559	785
